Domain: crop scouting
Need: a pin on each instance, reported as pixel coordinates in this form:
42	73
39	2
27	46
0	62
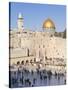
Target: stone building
38	46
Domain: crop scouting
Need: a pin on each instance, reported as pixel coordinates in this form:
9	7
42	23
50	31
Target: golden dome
48	24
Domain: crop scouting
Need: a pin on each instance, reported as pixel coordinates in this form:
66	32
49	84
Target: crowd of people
26	78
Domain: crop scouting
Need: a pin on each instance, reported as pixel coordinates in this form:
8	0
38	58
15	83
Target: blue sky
35	14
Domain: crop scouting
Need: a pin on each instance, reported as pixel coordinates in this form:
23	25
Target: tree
64	34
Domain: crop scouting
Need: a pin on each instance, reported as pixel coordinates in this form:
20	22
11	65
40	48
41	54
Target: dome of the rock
48	24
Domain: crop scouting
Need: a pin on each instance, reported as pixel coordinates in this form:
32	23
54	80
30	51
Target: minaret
20	22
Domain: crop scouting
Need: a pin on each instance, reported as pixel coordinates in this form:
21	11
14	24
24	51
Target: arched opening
22	62
18	63
27	61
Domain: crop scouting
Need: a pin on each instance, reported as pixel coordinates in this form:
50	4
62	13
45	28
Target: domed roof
48	24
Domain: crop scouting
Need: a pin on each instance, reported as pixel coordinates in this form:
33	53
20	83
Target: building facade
42	48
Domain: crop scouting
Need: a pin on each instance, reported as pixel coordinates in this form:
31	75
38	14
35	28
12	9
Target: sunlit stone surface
32	52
